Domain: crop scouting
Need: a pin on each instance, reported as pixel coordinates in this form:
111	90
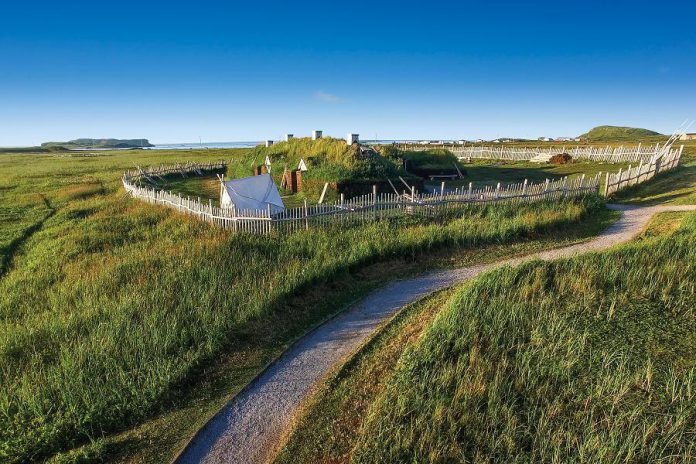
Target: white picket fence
375	206
357	210
643	172
621	154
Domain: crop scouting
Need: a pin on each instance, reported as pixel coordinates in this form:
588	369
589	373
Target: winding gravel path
248	429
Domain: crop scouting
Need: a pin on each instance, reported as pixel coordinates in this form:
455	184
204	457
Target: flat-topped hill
100	143
608	133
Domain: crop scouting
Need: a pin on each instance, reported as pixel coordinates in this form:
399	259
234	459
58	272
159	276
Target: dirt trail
248	429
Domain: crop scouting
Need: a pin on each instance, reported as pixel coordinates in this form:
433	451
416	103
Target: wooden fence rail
375	206
643	172
621	154
357	210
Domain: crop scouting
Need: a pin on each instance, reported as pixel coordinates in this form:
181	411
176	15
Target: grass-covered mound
618	133
327	160
424	163
589	359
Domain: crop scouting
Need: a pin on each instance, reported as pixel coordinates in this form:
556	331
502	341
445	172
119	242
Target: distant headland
100	143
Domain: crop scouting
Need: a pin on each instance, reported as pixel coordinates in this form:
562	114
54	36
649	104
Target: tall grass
588	359
328	159
111	304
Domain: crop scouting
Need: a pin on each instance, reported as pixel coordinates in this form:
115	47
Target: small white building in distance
691	136
269	143
353	138
316	135
288	137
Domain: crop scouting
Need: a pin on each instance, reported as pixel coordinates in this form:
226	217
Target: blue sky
224	71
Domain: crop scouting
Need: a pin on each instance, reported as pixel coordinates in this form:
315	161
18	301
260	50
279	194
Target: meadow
112	312
351	408
588	359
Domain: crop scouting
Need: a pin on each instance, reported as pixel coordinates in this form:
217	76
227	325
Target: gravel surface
249	428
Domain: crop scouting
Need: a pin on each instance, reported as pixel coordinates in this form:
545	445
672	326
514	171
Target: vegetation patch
327	159
432	162
588	357
333	420
676	186
104	318
618	133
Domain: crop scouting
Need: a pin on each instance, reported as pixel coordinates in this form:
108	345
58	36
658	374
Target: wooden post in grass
442	191
374	202
323	192
306	215
524	188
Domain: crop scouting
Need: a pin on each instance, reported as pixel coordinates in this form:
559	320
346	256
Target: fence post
524	188
374	202
306	215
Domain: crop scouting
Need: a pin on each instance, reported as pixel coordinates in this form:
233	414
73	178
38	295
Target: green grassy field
489	172
115	314
332	422
586	359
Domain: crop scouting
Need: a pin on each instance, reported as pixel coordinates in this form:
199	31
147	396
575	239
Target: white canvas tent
255	192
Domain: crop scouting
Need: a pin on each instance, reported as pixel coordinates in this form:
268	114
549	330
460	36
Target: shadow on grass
668	187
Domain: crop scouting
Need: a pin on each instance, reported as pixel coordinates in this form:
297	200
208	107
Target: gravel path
248	429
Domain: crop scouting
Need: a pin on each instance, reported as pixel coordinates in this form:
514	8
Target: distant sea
204	145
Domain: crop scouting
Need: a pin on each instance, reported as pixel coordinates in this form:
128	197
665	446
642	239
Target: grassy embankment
124	326
590	358
676	187
610	378
334	420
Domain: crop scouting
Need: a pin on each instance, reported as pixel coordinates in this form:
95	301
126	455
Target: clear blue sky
252	70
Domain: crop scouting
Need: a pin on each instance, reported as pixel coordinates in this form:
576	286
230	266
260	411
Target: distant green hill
100	143
609	133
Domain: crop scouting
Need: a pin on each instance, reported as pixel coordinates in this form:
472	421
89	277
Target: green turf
613	133
112	310
490	172
587	359
677	186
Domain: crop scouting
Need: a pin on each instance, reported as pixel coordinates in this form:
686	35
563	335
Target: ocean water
204	145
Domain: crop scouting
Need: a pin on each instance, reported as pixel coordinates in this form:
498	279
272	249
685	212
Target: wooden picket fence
643	172
353	211
621	154
143	184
